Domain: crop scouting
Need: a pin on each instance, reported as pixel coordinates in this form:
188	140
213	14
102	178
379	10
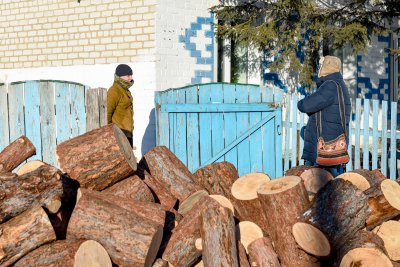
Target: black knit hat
123	70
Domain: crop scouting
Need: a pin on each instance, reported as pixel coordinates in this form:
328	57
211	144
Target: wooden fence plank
92	109
63	111
205	125
384	153
32	116
243	126
4	125
102	106
171	98
217	121
375	109
48	122
357	158
266	131
16	110
78	111
193	139
393	148
278	145
256	151
366	135
301	146
294	131
181	125
230	128
287	134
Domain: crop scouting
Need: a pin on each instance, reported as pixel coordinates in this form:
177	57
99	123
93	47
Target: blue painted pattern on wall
203	25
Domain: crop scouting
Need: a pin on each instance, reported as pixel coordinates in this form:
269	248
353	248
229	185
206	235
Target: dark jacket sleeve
320	99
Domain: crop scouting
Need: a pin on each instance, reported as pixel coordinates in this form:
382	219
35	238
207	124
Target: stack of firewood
102	208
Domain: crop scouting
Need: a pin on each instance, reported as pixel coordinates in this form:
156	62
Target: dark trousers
334	170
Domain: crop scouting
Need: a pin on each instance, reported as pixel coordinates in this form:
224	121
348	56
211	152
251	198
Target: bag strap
341	111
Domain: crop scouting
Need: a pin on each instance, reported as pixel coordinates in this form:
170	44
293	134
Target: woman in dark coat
326	100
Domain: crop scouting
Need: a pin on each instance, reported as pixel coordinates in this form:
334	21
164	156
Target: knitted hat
123	70
329	65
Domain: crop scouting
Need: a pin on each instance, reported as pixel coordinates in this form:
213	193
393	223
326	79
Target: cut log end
391	191
53	205
29	166
188	203
365	257
247	232
279	185
356	179
91	253
245	187
126	148
311	239
390	233
224	202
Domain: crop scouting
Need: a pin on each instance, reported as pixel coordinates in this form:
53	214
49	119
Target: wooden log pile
100	207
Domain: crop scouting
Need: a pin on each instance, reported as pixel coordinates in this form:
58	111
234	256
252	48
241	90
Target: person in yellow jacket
120	101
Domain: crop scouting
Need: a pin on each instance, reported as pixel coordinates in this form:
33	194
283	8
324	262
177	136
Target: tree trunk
29	166
247	232
363	249
67	253
390	233
181	250
383	201
165	167
363	179
281	216
15	153
339	210
133	188
130	240
314	178
218	237
45	186
105	150
160	263
242	255
262	253
191	201
245	199
164	196
24	233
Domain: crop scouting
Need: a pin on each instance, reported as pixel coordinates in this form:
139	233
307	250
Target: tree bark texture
242	255
373	178
45	186
165	167
133	188
314	178
218	237
24	233
262	253
181	250
97	159
130	240
15	153
281	216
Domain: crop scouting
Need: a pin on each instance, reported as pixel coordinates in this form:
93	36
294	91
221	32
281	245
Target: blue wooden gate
214	122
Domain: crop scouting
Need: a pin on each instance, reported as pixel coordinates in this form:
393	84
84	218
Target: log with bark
46	186
97	159
242	255
218	237
29	166
130	240
247	232
24	233
62	253
283	200
390	233
15	153
362	178
262	253
181	250
133	188
245	199
167	169
364	249
339	210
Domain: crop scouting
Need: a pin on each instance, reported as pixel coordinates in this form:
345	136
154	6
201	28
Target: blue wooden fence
49	112
373	137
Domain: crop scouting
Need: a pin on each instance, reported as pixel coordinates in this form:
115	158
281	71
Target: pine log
247	232
314	178
362	178
383	201
363	249
160	263
163	194
97	159
390	233
311	239
281	216
165	167
15	153
245	199
29	166
133	188
242	255
24	233
181	250
67	253
218	237
147	210
45	186
191	201
262	253
129	239
224	202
